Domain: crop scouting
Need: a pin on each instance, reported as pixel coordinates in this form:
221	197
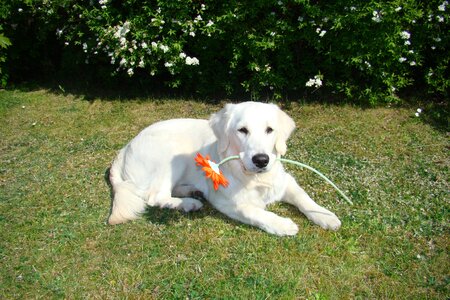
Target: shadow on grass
435	108
167	216
119	90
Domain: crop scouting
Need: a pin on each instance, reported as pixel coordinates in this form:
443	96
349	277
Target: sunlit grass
54	200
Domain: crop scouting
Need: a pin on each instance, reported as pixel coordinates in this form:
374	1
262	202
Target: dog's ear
286	126
219	123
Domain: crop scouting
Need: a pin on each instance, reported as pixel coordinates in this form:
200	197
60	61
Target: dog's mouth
251	172
252	169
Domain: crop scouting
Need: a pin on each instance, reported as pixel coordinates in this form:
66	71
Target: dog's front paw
325	219
190	204
281	227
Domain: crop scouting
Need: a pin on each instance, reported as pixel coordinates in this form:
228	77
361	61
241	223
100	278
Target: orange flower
211	170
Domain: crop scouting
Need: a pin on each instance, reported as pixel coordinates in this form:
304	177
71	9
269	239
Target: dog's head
257	132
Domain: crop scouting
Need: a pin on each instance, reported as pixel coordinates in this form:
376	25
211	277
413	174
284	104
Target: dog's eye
269	130
243	130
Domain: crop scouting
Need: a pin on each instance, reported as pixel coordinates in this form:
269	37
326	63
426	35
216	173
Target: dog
157	168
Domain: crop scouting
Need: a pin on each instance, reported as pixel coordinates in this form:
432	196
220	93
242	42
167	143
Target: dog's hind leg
126	204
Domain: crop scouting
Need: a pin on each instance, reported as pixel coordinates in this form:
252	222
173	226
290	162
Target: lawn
56	149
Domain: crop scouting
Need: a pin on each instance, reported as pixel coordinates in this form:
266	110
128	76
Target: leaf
4	41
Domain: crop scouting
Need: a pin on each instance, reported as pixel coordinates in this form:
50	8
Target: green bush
4	43
365	50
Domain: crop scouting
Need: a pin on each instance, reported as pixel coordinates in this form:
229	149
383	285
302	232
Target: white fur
157	168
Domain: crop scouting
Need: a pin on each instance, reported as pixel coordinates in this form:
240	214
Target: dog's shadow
166	216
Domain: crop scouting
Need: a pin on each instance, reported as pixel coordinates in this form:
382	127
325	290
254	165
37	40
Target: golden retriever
157	168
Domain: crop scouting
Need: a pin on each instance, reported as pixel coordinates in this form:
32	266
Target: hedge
367	51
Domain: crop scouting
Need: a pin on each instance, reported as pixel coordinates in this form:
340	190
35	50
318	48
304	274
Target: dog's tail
126	204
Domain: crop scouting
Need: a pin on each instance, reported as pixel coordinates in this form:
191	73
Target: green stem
318	173
228	159
299	165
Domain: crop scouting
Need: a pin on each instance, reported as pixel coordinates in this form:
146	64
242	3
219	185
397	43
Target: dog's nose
260	160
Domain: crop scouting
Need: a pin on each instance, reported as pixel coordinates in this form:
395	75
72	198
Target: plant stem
228	159
318	173
299	165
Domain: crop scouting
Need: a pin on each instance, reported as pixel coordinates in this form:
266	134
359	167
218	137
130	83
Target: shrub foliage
365	50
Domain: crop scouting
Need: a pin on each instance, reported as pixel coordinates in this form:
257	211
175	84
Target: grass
54	200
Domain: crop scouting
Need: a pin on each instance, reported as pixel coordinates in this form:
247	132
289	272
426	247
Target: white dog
157	168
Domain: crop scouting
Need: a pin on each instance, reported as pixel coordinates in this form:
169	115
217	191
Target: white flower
402	59
144	45
168	64
352	8
310	82
411	51
433	47
398	9
407	42
442	6
203	7
123	61
154	45
368	64
210	23
192	33
85	46
103	2
413	63
440	19
437	39
417	114
316	82
59	32
164	48
192	61
20	10
318	29
322	33
300	19
126	27
141	63
130	71
122	30
405	35
419	110
182	55
376	16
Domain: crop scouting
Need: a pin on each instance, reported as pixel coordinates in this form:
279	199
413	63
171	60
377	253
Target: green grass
54	201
